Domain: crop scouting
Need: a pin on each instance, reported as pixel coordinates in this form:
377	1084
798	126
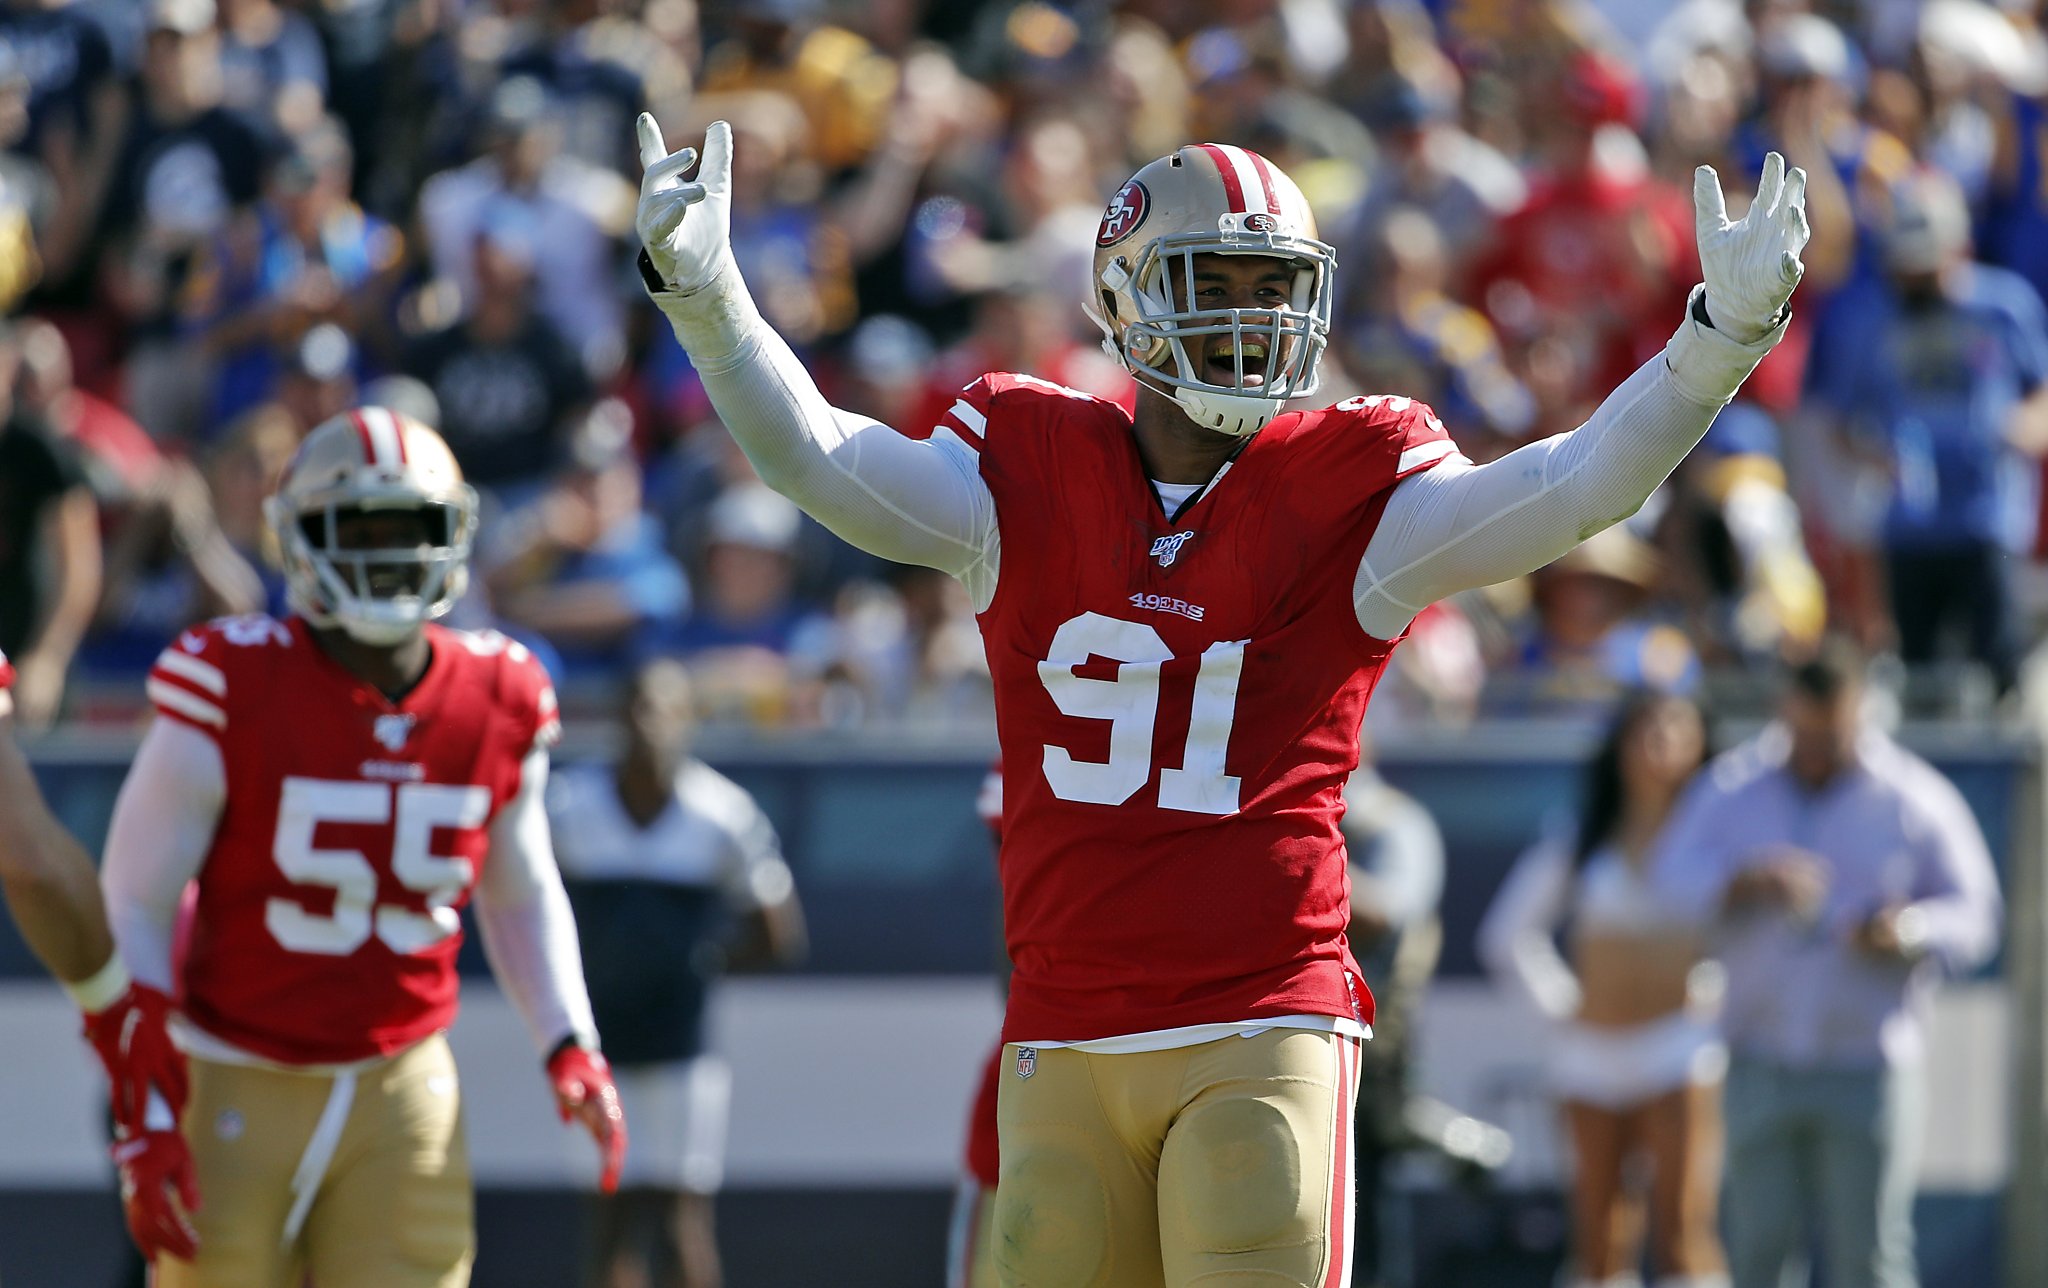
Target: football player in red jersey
337	786
1185	611
54	897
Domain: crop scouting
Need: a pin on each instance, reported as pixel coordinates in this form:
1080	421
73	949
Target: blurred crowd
222	221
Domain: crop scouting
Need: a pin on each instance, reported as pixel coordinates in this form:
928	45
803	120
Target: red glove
153	1165
583	1089
133	1040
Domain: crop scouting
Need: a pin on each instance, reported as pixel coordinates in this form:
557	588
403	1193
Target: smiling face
1260	285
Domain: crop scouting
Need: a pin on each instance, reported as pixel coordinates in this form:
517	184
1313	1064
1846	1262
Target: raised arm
908	500
1460	526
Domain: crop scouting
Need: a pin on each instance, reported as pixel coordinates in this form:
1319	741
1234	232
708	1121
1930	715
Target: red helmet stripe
1233	187
369	440
1265	169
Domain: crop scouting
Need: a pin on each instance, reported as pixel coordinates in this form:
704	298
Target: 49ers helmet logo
1126	211
1261	223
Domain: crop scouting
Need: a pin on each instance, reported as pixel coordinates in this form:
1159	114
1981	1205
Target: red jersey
352	832
1178	701
6	673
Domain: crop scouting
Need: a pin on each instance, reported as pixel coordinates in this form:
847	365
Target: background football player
1185	612
337	785
53	895
676	875
970	1234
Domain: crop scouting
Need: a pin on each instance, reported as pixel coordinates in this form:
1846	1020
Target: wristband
101	989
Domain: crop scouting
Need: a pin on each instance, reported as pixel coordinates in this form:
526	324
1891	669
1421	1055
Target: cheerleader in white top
1634	1060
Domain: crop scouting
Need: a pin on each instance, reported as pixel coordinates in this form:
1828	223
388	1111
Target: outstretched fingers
1709	207
652	147
1795	209
717	155
661	166
1770	189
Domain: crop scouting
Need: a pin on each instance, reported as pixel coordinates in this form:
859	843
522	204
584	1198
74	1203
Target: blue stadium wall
852	1076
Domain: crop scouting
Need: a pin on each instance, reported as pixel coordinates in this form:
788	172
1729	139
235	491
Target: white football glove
688	247
1752	265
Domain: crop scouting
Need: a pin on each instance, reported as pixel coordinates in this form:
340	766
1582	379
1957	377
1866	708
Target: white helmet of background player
373	459
1211	198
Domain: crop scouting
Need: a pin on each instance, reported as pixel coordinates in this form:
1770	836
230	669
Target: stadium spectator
602	63
1397	881
1601	246
568	206
842	84
1845	874
676	876
1740	575
903	653
1938	371
198	546
582	564
1430	163
888	359
507	378
318	380
273	68
746	616
1044	221
1590	639
121	460
50	557
1020	327
188	168
75	104
27	191
1402	331
782	231
307	254
1634	1060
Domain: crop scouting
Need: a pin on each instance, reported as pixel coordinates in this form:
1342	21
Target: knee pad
1239	1173
1051	1220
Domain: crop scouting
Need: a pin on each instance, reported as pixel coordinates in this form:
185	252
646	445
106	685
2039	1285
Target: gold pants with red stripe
356	1180
1223	1165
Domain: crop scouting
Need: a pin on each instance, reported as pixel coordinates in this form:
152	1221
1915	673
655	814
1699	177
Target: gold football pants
1223	1165
360	1179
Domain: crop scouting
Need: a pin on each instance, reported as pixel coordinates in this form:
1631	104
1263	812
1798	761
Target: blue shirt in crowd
1936	385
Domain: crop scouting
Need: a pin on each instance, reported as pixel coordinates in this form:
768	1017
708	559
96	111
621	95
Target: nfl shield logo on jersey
1167	549
391	730
1027	1061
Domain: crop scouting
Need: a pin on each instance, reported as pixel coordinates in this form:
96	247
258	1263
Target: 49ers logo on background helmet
1126	211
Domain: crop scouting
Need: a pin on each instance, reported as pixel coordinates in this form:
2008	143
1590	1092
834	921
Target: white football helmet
1211	198
373	459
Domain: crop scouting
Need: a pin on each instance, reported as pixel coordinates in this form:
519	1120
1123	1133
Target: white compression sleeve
162	828
1460	525
528	929
909	500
